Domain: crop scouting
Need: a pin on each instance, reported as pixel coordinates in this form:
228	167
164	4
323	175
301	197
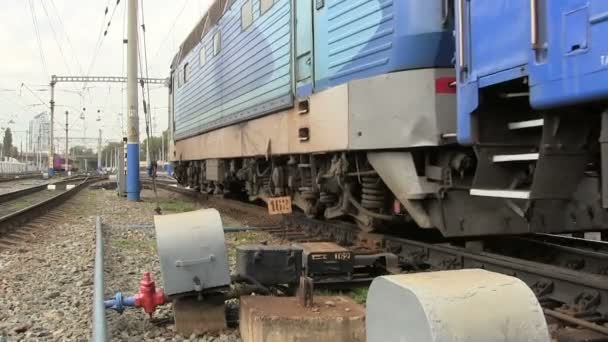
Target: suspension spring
373	193
306	187
328	198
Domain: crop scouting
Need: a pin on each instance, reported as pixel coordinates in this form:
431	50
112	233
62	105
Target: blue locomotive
470	117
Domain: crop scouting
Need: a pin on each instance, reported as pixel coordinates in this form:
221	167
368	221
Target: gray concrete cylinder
449	306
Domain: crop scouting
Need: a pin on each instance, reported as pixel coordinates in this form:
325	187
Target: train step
526	124
501	193
503	158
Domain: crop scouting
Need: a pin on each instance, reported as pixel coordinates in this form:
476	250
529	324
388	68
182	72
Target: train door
304	48
569	58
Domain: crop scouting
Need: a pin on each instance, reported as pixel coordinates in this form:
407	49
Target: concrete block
51	187
70	186
282	319
198	317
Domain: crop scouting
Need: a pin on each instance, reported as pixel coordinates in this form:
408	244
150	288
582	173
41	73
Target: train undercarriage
537	179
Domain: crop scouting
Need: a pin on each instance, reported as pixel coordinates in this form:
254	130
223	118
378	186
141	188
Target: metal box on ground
326	258
192	251
269	265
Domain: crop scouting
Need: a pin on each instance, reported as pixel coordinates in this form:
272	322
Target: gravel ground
46	287
6	187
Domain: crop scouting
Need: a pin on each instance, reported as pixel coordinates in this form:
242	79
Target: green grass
175	206
359	295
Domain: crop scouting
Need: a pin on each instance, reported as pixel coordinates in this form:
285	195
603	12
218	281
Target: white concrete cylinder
465	305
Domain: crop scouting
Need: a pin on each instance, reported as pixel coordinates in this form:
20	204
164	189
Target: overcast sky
69	31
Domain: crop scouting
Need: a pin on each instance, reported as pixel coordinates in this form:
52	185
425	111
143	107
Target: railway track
13	177
24	211
568	275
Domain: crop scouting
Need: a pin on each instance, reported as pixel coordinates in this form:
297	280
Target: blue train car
360	39
569	57
354	109
558	47
532	87
239	62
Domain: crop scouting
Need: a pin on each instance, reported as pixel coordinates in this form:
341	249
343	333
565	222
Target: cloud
69	32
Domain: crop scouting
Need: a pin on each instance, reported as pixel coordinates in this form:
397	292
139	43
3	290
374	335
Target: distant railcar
352	109
59	164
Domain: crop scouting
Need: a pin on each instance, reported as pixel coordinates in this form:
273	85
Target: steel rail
9	196
13	177
589	257
23	215
100	327
576	321
584	291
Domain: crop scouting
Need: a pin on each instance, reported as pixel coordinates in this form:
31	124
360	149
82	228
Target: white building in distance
39	133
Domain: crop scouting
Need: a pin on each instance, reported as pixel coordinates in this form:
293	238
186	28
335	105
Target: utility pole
51	166
162	146
67	151
99	152
132	115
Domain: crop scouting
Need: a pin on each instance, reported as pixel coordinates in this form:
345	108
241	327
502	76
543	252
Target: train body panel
563	58
501	32
360	39
360	115
570	62
243	67
233	73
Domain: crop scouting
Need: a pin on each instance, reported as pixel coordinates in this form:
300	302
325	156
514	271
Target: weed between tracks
358	295
171	205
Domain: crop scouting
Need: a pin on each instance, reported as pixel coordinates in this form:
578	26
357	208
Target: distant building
39	135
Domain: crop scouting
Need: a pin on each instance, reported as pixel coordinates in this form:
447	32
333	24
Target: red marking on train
445	85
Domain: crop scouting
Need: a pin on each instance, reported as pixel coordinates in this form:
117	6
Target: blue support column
133	189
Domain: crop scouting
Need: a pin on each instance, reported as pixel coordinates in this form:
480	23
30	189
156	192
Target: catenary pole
132	114
51	166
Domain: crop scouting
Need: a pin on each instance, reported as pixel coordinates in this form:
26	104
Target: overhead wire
65	62
102	34
67	36
58	42
37	33
147	113
179	14
35	95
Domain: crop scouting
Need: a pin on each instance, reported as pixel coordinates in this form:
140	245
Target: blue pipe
133	171
119	302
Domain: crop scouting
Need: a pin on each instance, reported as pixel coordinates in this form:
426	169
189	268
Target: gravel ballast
46	285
